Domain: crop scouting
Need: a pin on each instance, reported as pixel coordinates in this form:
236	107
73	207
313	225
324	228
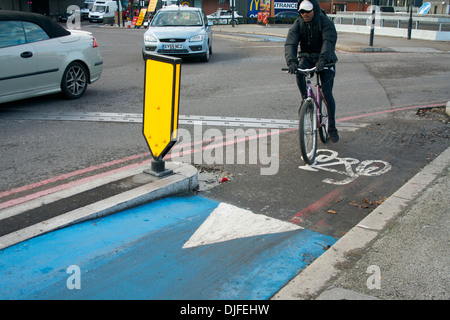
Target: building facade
45	7
246	8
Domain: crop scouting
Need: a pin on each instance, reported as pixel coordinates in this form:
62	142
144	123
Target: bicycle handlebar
309	70
301	70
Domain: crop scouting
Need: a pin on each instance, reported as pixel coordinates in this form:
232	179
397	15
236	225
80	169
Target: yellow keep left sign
152	5
141	17
161	102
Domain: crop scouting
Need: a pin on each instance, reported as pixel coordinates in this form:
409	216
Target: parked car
387	9
39	57
63	16
286	17
224	17
179	31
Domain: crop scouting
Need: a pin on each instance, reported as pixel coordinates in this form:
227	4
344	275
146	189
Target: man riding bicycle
317	37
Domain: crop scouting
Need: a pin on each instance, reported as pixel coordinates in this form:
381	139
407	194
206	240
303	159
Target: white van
104	10
166	3
87	7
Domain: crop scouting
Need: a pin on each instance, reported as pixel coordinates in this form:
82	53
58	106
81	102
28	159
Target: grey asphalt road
377	94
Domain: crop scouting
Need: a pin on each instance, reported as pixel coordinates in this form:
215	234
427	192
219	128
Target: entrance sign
161	102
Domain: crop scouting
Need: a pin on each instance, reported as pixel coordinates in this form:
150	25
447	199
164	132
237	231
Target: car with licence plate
39	57
179	31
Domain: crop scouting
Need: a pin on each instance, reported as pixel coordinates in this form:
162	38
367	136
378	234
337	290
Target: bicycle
313	117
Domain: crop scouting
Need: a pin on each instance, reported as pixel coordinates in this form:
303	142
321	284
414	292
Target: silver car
179	31
39	57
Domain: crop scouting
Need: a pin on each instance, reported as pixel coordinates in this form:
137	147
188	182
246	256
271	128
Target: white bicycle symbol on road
326	159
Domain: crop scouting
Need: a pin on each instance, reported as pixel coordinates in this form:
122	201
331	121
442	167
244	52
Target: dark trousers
327	80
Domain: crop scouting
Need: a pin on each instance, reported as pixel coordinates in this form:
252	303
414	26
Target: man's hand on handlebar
293	67
320	65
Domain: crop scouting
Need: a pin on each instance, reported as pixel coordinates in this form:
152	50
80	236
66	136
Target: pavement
399	251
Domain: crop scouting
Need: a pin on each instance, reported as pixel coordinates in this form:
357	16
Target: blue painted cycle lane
139	254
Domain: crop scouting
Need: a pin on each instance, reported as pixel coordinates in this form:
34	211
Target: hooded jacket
317	38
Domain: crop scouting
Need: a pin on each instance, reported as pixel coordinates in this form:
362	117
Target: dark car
387	9
286	17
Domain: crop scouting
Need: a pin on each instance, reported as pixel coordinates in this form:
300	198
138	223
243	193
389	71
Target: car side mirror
210	23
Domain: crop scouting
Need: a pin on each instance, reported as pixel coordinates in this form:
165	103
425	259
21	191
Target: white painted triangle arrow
228	222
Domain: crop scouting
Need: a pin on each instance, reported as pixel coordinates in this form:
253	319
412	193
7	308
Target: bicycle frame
316	97
313	117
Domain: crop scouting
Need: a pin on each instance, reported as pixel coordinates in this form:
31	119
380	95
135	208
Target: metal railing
252	20
394	20
435	23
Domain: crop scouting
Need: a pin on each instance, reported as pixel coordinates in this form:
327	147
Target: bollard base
158	169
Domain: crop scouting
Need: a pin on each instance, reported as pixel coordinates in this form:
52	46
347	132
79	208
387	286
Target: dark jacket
317	38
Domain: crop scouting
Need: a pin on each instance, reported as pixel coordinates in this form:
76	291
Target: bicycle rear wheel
323	118
307	132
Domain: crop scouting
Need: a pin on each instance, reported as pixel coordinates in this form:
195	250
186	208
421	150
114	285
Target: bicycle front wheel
307	132
323	118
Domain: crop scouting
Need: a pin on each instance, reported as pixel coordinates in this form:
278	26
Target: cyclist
317	37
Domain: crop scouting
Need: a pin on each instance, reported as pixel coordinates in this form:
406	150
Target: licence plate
172	46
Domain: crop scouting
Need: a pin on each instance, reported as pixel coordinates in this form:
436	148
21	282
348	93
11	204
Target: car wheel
205	57
74	81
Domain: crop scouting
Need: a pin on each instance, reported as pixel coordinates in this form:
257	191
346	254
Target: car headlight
196	38
150	38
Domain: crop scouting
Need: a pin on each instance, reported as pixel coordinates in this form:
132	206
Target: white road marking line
228	222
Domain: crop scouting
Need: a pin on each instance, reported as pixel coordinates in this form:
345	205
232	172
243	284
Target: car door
18	63
208	28
50	56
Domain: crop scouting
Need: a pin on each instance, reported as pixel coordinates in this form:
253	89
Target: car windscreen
176	19
100	9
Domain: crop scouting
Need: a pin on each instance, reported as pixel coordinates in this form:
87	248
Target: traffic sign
424	8
152	5
161	102
141	17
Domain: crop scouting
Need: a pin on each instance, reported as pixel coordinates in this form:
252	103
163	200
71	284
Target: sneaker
334	137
